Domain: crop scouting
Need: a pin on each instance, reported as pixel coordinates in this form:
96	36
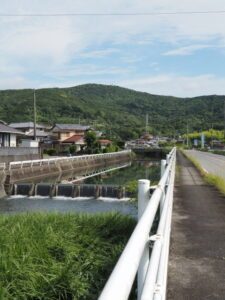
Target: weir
23	170
71	190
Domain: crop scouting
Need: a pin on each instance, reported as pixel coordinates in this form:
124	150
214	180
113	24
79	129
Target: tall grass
59	256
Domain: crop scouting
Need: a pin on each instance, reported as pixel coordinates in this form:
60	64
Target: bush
50	151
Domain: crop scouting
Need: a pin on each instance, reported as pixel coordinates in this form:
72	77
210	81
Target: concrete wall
2	181
9	154
27	172
12	140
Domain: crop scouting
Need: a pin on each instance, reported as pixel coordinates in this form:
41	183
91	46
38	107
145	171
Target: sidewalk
197	251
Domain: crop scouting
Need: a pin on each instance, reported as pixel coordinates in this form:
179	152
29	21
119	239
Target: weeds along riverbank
59	256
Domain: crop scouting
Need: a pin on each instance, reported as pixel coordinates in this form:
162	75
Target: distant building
26	127
104	143
65	131
77	140
40	135
8	135
147	136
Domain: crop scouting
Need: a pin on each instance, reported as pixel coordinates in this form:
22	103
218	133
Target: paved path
212	163
197	254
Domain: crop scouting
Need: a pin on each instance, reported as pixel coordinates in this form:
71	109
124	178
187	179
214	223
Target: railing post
163	168
143	199
167	158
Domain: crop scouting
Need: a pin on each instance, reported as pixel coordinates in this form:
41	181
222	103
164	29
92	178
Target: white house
8	135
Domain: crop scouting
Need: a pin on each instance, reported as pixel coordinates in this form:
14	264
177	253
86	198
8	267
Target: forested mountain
117	111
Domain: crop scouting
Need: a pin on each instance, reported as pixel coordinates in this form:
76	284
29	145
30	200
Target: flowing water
122	176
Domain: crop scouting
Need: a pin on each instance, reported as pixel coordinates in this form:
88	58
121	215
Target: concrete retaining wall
9	154
32	170
2	181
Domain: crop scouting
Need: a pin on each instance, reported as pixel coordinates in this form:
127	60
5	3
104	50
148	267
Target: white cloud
40	45
188	50
88	70
175	85
99	53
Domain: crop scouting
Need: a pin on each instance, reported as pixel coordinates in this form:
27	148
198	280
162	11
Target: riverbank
59	256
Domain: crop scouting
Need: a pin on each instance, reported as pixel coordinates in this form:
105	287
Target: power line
115	14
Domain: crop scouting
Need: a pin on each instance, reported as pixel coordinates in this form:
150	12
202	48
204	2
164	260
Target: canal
123	175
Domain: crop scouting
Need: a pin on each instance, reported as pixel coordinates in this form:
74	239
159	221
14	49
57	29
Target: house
8	135
77	140
27	127
104	143
65	131
40	135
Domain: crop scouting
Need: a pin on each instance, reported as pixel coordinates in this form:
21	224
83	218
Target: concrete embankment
197	253
40	169
2	182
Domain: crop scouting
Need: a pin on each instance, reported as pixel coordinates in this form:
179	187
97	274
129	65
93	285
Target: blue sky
179	55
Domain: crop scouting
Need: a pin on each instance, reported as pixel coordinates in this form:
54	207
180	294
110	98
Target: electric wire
113	14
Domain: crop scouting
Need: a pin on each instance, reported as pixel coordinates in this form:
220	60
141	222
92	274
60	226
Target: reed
59	256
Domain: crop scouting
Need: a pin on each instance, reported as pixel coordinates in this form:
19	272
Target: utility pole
34	104
146	124
224	117
187	134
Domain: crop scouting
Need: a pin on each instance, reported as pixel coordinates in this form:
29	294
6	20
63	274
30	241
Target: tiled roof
74	139
105	142
7	129
70	127
25	125
38	133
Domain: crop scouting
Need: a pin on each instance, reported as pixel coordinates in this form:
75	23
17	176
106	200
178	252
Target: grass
59	256
211	179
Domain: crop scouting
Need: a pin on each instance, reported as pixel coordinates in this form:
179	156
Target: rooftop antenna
34	108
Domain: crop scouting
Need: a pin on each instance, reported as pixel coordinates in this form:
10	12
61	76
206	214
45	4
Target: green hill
115	110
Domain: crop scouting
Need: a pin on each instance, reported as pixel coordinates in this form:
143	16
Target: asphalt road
197	253
212	163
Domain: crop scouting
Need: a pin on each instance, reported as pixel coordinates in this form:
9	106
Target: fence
41	162
152	269
212	163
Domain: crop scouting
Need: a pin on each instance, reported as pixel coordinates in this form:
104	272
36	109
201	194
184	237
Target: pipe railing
152	270
40	162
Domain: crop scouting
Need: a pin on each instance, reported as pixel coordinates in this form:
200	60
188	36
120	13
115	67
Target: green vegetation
116	111
216	181
51	256
50	151
209	135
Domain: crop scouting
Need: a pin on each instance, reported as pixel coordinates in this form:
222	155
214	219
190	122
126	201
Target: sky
178	54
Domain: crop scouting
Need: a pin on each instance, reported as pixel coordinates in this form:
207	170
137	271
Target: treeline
210	134
118	112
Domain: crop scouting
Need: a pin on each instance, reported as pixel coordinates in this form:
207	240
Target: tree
91	142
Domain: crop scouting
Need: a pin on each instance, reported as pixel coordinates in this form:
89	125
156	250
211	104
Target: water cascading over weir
30	170
71	190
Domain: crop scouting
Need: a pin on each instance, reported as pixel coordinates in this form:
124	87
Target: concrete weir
29	170
70	190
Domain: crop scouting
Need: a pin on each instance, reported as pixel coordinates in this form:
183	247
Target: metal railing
40	162
2	166
152	269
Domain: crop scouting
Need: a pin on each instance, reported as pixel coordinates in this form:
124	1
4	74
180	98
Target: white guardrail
40	162
152	269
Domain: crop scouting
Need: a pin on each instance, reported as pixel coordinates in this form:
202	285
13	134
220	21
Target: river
137	170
